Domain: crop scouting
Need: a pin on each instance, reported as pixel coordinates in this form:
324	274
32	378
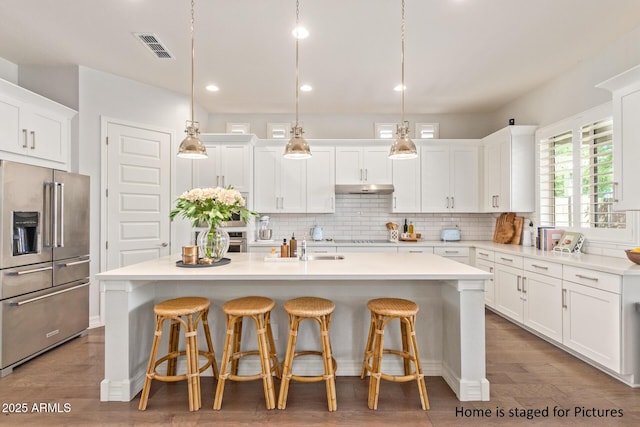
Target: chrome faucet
303	251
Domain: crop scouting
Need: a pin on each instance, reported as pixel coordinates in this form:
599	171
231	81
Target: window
575	182
384	130
428	130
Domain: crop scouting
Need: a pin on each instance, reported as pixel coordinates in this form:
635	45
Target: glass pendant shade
297	147
403	147
191	147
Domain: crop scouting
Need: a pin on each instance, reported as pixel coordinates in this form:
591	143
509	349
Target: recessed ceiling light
306	88
300	33
212	88
399	88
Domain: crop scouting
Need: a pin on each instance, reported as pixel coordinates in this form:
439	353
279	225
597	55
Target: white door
138	194
266	197
406	184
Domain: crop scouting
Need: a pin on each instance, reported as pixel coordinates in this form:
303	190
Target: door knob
164	244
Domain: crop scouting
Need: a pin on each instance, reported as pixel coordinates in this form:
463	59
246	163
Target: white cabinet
508	291
626	134
406	184
279	183
449	177
321	183
363	165
508	169
361	248
591	315
489	287
33	129
542	296
226	164
456	253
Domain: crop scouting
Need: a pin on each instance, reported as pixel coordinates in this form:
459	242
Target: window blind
596	177
556	180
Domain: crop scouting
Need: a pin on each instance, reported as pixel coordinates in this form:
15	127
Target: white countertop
354	266
603	263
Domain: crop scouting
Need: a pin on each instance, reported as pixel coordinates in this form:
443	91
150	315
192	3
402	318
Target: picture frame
570	242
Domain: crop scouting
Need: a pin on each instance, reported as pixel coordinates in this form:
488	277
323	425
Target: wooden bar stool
384	310
258	309
177	310
320	310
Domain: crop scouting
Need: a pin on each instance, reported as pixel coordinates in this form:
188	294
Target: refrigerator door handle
30	300
35	270
61	218
70	264
54	216
47	214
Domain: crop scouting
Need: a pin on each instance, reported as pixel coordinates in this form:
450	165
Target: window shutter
596	180
556	180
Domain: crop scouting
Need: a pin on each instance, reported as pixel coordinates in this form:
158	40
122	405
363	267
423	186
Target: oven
235	221
237	241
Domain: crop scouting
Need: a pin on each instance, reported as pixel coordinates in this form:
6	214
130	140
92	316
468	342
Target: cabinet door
627	150
406	184
595	336
508	291
435	178
293	184
505	176
489	290
463	182
349	168
235	167
321	185
378	168
266	184
47	134
491	177
543	304
10	132
206	172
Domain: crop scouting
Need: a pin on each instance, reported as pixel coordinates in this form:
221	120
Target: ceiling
462	56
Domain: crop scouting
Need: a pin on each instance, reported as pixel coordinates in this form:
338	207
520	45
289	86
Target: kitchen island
449	325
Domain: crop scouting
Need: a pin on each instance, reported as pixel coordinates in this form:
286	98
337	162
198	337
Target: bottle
293	246
405	228
284	249
411	227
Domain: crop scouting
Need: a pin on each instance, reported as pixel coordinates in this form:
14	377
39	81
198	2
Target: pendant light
403	147
297	147
191	147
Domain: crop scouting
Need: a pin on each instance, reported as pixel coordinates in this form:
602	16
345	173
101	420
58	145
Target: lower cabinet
508	291
542	297
591	323
460	254
489	287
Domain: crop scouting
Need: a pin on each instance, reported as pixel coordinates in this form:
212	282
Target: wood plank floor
525	372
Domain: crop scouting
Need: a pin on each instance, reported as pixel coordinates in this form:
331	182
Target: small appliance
450	234
316	233
264	232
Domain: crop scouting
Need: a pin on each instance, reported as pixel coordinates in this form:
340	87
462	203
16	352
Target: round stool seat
248	306
396	307
309	306
181	306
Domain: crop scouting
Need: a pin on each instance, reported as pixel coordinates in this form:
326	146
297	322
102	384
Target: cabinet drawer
416	249
451	251
595	279
547	268
484	254
508	259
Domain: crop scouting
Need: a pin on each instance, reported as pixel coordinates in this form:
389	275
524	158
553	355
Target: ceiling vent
153	43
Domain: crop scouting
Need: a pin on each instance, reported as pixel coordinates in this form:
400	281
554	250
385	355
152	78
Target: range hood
364	189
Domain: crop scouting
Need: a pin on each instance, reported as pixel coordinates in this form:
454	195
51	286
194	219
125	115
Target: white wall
573	91
357	126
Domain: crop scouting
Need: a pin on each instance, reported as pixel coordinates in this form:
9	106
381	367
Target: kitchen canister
393	235
190	254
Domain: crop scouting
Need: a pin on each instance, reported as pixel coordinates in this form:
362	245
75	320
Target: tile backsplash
363	216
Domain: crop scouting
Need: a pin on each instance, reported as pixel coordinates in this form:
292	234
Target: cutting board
518	222
505	228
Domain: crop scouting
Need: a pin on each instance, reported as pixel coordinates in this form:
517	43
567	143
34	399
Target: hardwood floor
525	373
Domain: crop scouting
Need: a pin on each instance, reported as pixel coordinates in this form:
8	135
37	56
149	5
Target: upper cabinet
33	129
626	137
508	168
363	165
294	185
450	176
406	185
228	162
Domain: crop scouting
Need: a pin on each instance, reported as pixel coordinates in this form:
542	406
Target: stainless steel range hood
364	189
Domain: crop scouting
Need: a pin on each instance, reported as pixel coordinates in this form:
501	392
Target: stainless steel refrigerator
44	260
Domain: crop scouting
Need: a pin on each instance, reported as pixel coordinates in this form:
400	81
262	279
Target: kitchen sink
316	257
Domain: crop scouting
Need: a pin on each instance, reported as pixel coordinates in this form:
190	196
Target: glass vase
213	244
